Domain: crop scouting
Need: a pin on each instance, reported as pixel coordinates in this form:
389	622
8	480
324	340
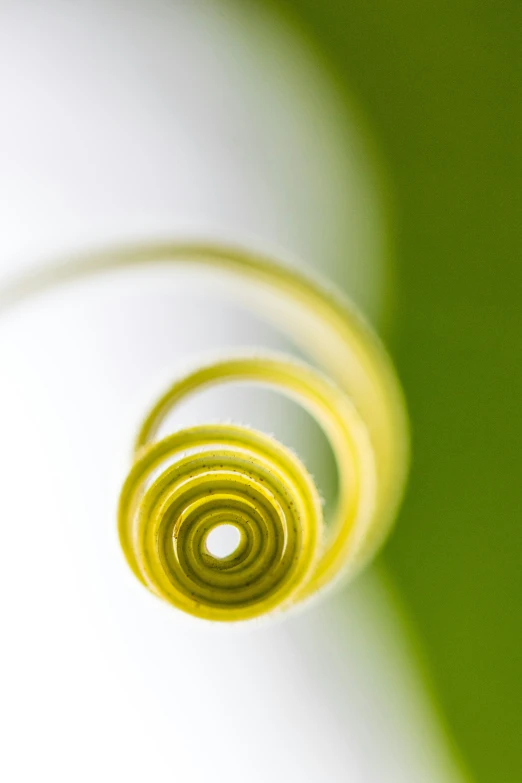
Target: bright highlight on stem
184	486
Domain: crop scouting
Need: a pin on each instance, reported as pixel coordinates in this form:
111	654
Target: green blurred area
441	84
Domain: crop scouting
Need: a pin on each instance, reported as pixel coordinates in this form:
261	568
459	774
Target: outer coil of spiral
181	487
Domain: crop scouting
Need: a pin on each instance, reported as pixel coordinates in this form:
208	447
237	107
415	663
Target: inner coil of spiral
234	475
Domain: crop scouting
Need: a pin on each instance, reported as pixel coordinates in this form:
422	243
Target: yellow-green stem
184	485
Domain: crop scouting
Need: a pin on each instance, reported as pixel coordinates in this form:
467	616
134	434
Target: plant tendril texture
182	487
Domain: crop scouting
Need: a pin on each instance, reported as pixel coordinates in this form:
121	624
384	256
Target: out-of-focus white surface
131	120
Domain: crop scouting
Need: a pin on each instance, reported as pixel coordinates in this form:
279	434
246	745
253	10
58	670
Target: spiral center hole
222	541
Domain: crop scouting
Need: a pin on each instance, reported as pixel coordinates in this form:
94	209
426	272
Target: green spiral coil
182	487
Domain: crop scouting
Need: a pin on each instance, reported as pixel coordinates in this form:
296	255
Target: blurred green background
441	85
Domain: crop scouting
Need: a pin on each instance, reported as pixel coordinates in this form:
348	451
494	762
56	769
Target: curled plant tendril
183	486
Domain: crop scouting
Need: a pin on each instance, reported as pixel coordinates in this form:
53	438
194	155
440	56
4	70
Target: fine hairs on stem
182	487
